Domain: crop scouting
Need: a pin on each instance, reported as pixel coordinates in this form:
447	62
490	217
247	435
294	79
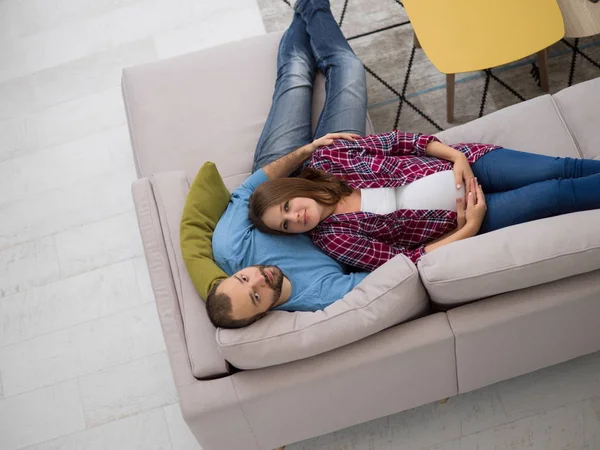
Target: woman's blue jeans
312	42
520	187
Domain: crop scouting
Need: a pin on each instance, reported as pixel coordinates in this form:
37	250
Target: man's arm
362	252
285	165
454	236
461	220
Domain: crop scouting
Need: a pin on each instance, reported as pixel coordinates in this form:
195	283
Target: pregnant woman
366	201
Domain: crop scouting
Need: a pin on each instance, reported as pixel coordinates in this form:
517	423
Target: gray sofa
511	302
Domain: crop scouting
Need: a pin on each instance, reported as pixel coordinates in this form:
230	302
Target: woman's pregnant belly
437	191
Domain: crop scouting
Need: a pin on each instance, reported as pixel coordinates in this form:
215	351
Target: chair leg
416	42
450	97
542	62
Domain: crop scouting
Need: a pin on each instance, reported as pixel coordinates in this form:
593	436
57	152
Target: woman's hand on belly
463	173
461	213
462	168
470	218
476	206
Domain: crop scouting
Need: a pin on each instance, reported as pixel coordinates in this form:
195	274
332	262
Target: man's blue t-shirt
317	279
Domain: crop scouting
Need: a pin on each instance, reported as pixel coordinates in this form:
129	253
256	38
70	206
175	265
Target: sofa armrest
513	258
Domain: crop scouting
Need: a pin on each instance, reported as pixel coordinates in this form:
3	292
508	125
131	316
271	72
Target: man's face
253	290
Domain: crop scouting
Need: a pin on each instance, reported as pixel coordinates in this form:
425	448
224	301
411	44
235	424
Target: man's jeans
520	187
313	41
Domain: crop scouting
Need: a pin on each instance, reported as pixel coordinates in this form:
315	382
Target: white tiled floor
82	359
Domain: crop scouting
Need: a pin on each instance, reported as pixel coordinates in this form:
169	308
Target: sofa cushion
390	295
534	126
168	301
513	258
170	191
206	202
579	107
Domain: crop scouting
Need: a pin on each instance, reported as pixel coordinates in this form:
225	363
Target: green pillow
205	204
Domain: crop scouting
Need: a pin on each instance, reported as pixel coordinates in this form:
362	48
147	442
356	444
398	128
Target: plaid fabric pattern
366	240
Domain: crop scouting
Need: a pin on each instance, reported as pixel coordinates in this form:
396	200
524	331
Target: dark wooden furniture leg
542	62
450	97
416	42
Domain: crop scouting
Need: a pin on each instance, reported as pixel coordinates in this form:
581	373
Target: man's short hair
218	307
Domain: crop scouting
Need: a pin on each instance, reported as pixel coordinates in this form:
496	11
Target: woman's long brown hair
311	183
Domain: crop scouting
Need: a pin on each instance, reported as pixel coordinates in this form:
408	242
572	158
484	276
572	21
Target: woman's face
297	215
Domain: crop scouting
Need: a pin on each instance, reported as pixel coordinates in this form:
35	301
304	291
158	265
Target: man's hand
476	206
462	171
285	165
330	137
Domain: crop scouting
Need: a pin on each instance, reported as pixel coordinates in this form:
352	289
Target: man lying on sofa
268	271
285	272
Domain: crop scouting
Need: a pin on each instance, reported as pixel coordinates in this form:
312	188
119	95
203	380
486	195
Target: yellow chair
468	35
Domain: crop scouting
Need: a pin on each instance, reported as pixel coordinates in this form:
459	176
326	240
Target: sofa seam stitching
454	336
243	411
170	239
566	126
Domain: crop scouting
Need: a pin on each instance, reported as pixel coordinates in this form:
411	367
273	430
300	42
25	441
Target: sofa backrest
209	105
563	124
534	126
579	106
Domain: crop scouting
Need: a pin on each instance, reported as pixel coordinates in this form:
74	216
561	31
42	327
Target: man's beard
277	283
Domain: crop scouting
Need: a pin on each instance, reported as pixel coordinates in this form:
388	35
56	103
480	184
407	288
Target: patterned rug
407	92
